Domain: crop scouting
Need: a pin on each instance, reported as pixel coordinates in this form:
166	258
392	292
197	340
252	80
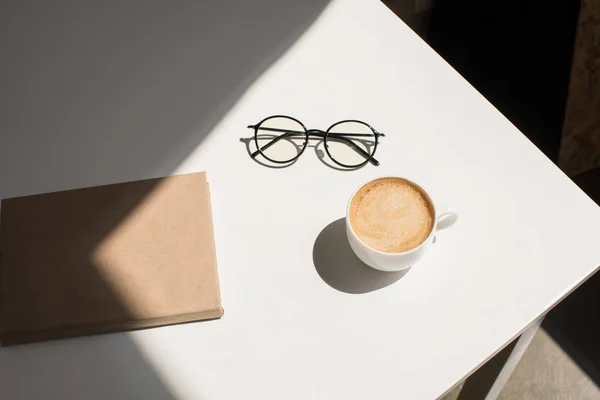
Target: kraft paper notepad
107	258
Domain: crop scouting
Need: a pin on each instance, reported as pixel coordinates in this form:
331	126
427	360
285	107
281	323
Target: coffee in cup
391	223
391	215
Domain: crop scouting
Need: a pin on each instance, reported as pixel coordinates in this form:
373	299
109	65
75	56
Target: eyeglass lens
350	143
280	139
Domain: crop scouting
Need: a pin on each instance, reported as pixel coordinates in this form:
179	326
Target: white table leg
487	382
513	359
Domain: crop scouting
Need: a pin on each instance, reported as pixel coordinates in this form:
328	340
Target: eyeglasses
349	143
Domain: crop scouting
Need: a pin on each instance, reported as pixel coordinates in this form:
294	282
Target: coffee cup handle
446	218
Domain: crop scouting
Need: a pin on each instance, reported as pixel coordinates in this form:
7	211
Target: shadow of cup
339	267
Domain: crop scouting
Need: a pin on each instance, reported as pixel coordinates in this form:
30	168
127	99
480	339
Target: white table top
80	114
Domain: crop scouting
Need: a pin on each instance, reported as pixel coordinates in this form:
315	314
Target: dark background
519	55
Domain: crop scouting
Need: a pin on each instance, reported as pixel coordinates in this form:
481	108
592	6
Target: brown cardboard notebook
107	258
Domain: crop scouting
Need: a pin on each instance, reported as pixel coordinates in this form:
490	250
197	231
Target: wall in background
580	149
517	54
414	13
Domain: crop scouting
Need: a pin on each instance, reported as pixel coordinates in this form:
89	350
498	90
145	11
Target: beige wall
580	150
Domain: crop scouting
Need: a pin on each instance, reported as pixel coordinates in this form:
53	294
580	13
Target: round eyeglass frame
371	154
318	133
257	127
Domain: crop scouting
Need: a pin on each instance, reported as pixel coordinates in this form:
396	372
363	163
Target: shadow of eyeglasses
313	142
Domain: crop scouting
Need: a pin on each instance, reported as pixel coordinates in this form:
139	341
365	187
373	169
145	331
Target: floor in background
545	372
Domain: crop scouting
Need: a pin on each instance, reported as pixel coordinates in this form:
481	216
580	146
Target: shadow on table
104	92
122	91
93	368
259	159
339	267
316	143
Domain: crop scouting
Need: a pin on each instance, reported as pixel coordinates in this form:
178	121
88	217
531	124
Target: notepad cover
107	258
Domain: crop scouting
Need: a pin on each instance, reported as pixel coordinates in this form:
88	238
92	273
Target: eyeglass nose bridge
316	132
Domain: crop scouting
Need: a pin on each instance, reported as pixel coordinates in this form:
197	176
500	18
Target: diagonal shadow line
111	92
127	90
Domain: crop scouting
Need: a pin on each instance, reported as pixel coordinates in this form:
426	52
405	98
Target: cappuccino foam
391	215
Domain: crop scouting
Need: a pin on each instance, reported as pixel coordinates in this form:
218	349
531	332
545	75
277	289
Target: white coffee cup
384	261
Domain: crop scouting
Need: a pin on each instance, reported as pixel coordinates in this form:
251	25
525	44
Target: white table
115	93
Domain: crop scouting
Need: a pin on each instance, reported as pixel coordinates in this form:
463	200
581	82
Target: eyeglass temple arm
316	132
337	135
354	147
275	140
